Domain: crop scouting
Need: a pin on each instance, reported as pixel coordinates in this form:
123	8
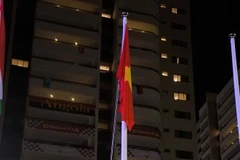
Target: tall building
60	80
208	133
227	122
223	134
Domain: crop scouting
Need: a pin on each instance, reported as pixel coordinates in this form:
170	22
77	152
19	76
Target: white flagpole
124	126
235	79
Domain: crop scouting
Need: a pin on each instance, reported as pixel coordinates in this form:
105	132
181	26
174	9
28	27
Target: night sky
212	21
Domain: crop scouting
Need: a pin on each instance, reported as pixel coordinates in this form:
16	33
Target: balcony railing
41	149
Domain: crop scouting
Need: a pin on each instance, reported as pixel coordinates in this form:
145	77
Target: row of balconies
53	131
39	150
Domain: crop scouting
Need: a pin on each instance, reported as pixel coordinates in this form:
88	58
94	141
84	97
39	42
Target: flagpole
235	78
124	126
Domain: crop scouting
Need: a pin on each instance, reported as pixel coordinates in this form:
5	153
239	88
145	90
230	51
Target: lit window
174	10
180	96
104	68
164	39
105	15
163	6
164	73
164	56
20	63
176	78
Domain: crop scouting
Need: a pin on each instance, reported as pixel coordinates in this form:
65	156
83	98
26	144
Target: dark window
182	115
166	130
179	43
165	110
167	150
184	154
139	89
163	22
183	134
179	60
181	11
178	26
184	78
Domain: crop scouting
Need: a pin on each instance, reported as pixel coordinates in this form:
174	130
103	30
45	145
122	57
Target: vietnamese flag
125	82
2	52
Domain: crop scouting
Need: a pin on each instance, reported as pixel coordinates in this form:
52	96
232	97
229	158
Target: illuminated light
143	31
176	78
174	10
58	5
164	39
104	68
164	56
178	60
232	142
163	6
56	39
73	99
77	9
130	29
164	73
51	95
105	15
76	43
231	131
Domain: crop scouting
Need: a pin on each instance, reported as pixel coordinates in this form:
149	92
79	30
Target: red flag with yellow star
125	82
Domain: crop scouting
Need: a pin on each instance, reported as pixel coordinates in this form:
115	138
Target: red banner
60	126
144	131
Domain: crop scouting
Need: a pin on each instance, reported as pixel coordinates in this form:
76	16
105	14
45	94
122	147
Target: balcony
149	8
39	150
147	97
230	151
146	77
58	131
146	116
68	16
140	153
62	90
144	58
141	40
69	71
141	136
73	112
66	34
83	5
65	52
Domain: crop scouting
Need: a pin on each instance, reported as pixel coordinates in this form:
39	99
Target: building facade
208	133
223	134
60	80
227	123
